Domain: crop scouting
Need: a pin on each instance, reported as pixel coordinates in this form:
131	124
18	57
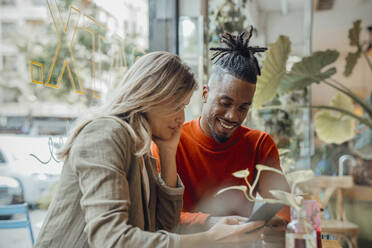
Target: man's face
226	103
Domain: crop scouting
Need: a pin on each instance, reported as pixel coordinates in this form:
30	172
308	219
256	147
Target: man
215	145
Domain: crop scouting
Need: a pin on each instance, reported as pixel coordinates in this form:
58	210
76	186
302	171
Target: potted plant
335	123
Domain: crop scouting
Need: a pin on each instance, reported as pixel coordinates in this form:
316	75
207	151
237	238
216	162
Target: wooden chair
322	188
16	209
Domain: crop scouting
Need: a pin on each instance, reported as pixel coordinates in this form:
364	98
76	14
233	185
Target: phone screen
265	212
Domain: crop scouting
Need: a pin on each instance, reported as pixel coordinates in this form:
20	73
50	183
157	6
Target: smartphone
265	212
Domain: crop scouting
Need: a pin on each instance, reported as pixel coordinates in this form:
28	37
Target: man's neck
204	126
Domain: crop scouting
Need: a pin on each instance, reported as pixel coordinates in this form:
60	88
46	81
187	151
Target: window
7	28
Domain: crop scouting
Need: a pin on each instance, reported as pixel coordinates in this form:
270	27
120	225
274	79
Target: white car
16	161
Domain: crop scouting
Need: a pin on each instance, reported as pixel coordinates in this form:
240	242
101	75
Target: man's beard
219	139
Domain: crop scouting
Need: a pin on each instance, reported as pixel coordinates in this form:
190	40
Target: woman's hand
228	231
213	220
168	146
167	156
225	233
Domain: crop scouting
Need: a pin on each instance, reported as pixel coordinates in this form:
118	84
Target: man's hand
277	224
233	220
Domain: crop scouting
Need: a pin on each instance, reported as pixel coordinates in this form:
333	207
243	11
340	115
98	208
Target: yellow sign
66	34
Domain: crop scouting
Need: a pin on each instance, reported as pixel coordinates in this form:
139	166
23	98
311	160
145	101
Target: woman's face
165	120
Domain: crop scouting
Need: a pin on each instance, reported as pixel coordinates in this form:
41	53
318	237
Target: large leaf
363	144
354	33
352	58
342	101
334	127
309	70
274	67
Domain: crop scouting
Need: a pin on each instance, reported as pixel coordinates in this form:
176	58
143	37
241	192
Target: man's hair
237	58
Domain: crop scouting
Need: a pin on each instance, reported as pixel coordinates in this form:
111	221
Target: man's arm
268	155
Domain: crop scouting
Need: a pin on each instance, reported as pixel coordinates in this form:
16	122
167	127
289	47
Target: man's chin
219	138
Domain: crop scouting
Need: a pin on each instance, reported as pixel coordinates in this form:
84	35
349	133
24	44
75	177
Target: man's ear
205	93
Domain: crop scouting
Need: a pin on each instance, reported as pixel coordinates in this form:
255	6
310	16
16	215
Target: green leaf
363	144
354	33
274	67
297	177
351	61
237	187
283	151
334	127
342	101
287	198
309	70
352	58
241	173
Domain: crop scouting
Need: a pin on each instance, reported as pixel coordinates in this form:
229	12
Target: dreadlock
237	57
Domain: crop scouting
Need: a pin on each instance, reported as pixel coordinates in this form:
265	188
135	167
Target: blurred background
59	58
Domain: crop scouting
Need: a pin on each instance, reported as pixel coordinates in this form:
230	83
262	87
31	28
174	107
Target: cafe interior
313	97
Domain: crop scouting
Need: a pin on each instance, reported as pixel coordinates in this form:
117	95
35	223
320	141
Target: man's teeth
226	126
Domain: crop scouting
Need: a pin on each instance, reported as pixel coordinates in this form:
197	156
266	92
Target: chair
16	209
322	188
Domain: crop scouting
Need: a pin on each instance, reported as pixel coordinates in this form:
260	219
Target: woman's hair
237	58
157	78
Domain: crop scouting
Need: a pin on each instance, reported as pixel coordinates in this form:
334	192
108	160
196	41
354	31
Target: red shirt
205	166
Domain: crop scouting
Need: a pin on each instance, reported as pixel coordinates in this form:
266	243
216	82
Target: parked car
35	177
10	192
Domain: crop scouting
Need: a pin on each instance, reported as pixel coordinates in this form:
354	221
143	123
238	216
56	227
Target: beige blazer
101	201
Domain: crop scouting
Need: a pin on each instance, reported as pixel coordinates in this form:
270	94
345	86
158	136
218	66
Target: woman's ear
205	93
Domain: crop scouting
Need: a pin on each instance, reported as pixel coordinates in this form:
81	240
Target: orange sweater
205	166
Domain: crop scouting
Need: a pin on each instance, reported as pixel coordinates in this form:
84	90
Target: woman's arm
100	157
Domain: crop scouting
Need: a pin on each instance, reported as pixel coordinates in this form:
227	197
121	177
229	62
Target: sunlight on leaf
296	177
274	67
340	100
283	151
333	127
287	198
241	173
261	167
239	187
242	188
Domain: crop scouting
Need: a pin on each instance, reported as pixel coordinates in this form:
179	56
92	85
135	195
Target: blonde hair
154	79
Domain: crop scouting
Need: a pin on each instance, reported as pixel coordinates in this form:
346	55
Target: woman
110	194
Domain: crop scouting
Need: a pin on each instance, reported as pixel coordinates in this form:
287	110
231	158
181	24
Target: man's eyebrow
227	98
230	99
